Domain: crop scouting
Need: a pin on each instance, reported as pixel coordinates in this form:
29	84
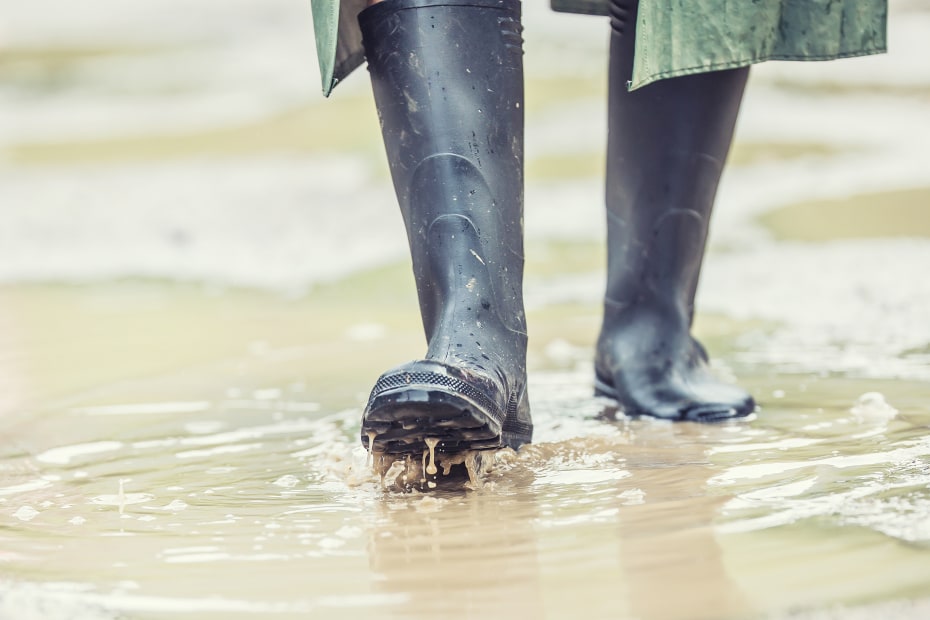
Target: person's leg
667	143
448	82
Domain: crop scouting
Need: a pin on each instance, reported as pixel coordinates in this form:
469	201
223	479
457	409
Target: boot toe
700	398
429	399
719	411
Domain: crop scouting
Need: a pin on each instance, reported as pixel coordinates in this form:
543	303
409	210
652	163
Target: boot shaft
667	144
447	76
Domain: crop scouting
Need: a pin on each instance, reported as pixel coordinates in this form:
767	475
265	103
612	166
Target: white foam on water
217	450
26	513
842	461
25	487
872	407
65	454
845	306
287	481
144	408
579	476
121	500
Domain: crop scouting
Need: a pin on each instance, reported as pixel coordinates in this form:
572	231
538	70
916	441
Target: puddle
281	516
880	215
236	485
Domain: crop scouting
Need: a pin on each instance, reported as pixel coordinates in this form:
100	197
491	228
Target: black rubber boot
448	83
667	143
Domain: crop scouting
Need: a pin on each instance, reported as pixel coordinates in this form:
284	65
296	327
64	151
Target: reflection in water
457	552
668	547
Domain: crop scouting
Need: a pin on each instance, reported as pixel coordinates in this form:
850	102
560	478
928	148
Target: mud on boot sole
401	420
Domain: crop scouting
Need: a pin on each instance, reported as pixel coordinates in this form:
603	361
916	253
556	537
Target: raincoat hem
734	64
343	69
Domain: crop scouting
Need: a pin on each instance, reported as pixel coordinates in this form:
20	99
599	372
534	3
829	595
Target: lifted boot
448	82
667	143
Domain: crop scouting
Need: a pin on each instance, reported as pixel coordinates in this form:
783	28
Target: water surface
229	481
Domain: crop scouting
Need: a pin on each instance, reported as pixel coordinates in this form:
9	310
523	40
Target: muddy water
229	482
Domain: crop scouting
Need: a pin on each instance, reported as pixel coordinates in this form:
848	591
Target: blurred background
187	142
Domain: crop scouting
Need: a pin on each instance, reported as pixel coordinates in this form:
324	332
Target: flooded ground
166	463
197	292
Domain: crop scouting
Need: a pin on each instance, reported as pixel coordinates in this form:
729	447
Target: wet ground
202	272
165	462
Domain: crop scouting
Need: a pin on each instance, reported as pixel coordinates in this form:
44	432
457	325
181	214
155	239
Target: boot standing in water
667	144
448	83
447	77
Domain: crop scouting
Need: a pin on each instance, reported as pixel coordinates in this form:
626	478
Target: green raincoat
673	37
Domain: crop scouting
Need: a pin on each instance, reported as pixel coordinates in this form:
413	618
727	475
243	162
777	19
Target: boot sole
403	412
402	419
707	413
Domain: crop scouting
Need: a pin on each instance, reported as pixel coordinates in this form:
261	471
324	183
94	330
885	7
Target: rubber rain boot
667	144
447	77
